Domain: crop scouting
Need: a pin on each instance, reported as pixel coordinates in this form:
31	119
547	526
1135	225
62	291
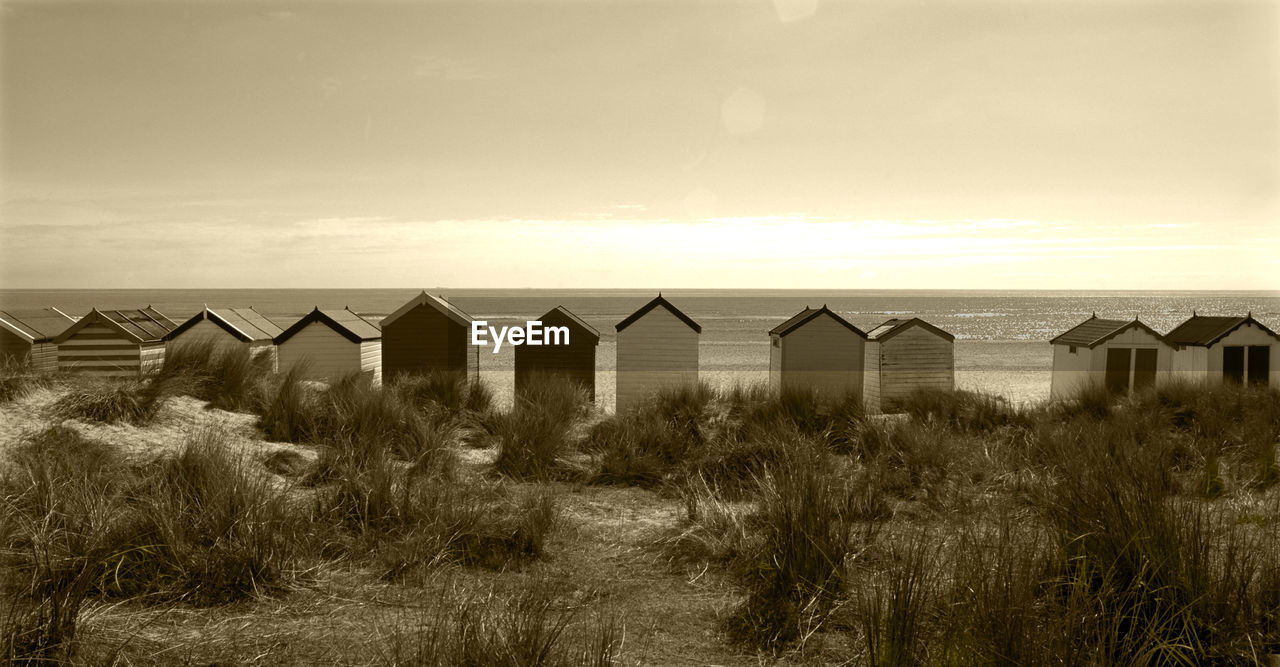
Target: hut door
1233	364
1117	379
1144	369
1259	364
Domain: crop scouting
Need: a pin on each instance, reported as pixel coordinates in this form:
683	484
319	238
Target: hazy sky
657	143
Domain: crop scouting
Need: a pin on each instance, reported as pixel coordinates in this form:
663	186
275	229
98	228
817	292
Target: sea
1002	336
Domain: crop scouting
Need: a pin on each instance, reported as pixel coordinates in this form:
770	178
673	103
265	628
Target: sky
936	144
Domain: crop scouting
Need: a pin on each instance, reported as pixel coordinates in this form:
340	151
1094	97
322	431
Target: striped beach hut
568	349
114	343
817	349
1121	355
903	356
429	334
1225	349
332	343
26	337
229	326
657	347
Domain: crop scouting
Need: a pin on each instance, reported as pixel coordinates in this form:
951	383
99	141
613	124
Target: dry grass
760	528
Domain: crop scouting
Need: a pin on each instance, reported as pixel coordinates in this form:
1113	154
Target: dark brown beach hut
26	337
568	349
429	334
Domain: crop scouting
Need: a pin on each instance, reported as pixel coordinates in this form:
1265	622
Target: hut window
1072	349
775	341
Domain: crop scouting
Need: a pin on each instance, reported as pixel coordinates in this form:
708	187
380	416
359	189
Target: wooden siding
14	349
38	357
328	355
1086	368
152	355
775	361
1200	364
656	351
268	348
824	355
44	358
425	340
207	330
914	359
99	350
1072	372
871	376
371	359
1131	339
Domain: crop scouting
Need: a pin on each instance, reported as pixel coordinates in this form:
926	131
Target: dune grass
966	531
728	437
797	573
528	627
17	379
411	520
538	431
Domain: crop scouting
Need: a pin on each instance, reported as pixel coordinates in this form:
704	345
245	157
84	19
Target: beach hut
817	349
903	356
332	343
657	347
568	349
229	326
429	334
1225	349
114	343
26	337
1121	355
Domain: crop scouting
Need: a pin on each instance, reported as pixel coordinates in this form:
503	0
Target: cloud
766	251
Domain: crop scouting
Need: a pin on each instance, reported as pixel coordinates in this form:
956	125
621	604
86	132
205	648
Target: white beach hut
1225	349
1121	355
332	343
903	356
657	347
229	326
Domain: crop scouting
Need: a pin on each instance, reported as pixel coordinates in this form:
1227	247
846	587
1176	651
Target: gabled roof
658	301
144	325
246	324
36	326
808	314
577	321
893	327
439	303
350	325
1206	330
1089	332
1096	331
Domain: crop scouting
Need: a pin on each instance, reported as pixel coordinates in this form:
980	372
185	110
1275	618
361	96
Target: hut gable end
139	326
1206	331
439	304
424	339
343	322
655	303
245	324
808	315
